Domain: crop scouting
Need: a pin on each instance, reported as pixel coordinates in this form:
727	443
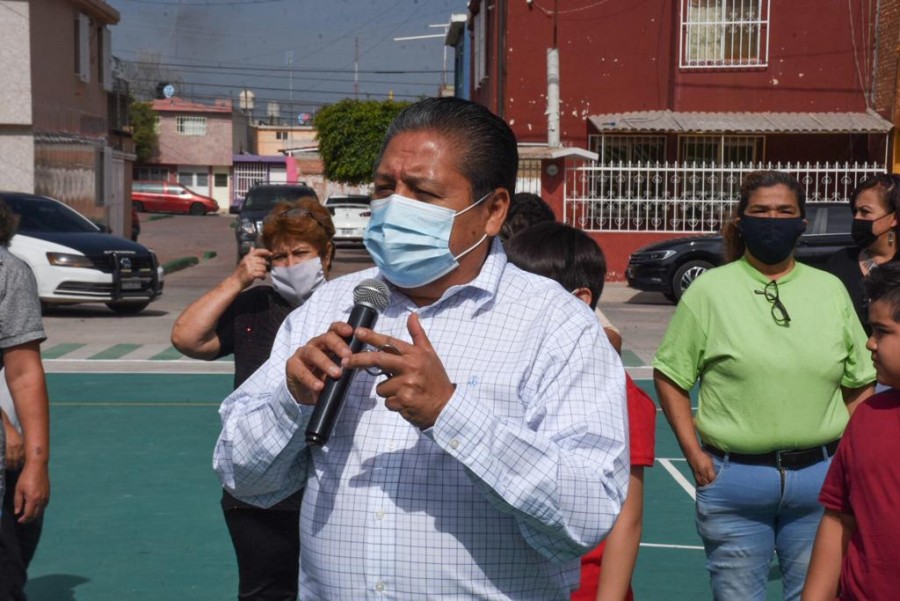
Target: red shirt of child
642	440
864	482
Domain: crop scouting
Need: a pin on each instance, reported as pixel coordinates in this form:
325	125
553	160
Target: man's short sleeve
641	424
20	306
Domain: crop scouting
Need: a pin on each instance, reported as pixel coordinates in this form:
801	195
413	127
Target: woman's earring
890	238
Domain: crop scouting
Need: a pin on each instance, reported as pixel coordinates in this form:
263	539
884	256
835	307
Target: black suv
259	201
670	266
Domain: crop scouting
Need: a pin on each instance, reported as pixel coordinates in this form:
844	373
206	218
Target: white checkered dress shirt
524	471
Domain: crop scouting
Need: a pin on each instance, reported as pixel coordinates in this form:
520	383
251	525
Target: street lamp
430	36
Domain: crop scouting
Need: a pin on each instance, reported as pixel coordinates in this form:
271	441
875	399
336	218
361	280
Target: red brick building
679	98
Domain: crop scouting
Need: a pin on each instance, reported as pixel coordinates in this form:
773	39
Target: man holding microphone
485	451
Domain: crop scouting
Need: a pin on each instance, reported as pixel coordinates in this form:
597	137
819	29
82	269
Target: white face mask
296	283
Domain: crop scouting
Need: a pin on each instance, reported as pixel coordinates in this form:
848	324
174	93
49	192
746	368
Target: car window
148	187
266	198
44	215
840	219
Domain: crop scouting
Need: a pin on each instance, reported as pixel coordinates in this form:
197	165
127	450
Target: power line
284	70
272	89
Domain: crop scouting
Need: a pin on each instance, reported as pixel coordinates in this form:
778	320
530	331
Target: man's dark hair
489	158
9	222
883	284
525	209
734	243
562	253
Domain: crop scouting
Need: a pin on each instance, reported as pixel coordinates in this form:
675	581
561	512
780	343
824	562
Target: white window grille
723	150
281	135
686	198
724	33
190	126
613	149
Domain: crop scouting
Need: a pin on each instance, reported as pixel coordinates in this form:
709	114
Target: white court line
661	546
679	477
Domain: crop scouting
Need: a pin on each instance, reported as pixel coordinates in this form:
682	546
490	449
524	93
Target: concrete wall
16	142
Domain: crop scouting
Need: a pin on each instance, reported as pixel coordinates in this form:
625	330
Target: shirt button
379	586
391	446
454	444
379	515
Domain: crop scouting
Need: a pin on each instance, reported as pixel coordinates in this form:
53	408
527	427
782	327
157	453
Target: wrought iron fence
688	198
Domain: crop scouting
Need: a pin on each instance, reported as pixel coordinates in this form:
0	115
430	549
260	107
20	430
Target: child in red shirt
857	547
569	256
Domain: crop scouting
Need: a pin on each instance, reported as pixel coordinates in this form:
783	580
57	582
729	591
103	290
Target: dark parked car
259	201
670	266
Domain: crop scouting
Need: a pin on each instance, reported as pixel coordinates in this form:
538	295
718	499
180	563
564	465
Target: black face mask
861	231
771	239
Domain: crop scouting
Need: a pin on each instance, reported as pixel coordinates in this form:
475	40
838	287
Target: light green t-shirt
764	386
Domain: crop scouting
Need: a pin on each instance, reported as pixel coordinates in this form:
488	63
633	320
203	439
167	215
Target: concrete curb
179	264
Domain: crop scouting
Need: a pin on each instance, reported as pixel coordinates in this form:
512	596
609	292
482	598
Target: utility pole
553	84
356	68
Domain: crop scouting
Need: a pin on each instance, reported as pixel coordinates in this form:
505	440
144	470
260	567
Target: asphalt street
93	338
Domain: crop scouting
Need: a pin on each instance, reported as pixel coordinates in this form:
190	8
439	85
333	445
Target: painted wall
215	148
62	102
622	55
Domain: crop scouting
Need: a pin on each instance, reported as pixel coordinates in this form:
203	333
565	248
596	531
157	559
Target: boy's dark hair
883	284
525	209
562	253
9	222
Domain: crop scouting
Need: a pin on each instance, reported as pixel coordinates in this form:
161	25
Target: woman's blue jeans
750	512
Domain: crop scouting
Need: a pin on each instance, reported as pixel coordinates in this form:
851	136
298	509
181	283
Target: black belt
789	460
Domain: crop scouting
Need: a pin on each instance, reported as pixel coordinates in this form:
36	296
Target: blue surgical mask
409	240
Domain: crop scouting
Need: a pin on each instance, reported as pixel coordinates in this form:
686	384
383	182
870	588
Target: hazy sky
218	47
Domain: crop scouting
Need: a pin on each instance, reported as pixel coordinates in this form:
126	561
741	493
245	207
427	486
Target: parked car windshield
266	198
45	215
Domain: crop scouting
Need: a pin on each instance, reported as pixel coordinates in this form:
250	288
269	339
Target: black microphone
370	297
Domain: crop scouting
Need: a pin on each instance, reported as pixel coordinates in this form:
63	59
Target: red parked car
170	197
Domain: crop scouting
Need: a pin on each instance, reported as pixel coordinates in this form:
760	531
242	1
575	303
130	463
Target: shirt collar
480	290
764	279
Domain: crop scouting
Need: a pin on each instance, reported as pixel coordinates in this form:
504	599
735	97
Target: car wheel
197	209
686	274
128	307
138	206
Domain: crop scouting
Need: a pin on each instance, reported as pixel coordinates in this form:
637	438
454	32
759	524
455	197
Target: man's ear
497	207
584	294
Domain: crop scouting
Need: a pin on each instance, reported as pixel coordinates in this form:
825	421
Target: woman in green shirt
782	362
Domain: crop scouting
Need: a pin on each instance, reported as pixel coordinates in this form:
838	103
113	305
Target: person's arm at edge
28	388
829	549
854	396
194	332
676	404
622	544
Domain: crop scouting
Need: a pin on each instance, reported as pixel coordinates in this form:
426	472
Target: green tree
143	130
350	133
